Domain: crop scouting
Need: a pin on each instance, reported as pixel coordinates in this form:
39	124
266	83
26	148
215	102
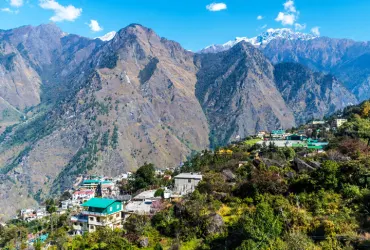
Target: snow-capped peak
107	37
260	40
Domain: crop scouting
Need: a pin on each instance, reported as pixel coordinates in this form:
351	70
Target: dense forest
251	197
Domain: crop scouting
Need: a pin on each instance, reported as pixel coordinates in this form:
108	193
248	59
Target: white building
83	195
340	122
186	183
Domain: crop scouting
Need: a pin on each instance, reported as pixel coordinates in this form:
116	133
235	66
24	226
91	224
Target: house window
189	180
92	218
110	209
91	227
117	206
117	215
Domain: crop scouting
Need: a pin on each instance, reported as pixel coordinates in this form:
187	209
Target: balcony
93	213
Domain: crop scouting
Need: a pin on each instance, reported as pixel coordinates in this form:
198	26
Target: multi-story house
79	224
83	195
103	213
186	183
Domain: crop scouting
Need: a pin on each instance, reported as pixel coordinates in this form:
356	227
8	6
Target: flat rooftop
189	176
138	207
145	195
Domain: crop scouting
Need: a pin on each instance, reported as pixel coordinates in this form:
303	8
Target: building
278	134
90	184
107	189
80	224
339	122
83	195
186	183
261	134
296	137
144	203
103	213
69	204
318	122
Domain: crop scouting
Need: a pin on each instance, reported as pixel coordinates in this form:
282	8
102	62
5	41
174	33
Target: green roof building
103	213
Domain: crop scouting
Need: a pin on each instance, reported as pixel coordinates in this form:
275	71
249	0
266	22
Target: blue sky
194	23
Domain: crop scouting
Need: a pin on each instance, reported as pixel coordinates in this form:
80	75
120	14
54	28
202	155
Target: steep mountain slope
133	102
345	59
237	92
34	64
310	95
261	40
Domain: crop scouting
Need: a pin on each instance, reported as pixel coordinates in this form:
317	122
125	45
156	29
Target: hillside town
99	201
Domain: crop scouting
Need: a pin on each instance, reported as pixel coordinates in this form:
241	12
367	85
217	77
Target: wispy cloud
259	17
16	3
8	10
290	14
61	13
299	26
315	31
289	6
94	26
216	6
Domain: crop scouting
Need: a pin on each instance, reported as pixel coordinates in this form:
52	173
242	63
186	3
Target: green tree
261	227
357	128
144	177
326	176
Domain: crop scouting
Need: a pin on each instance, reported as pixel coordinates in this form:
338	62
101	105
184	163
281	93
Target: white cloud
289	6
286	18
259	17
299	26
216	6
61	13
94	26
16	3
290	14
315	31
8	10
263	27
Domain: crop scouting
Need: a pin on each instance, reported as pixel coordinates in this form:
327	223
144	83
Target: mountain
261	40
84	106
310	94
346	59
107	37
132	101
34	61
237	91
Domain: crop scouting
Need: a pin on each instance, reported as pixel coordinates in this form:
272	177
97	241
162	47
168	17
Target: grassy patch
251	142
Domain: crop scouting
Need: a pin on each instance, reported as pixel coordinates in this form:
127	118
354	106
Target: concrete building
103	213
83	195
90	184
339	122
80	224
318	122
186	183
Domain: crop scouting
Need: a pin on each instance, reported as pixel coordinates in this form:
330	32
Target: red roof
86	192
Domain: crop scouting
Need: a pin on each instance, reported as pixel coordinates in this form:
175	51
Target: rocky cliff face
106	107
238	94
310	95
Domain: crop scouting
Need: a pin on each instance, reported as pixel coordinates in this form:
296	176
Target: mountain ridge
261	40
